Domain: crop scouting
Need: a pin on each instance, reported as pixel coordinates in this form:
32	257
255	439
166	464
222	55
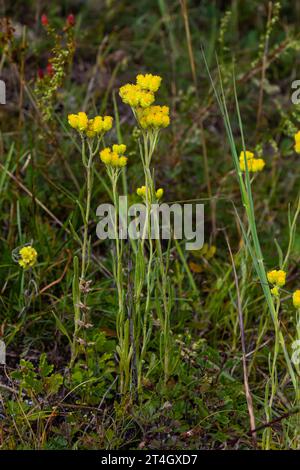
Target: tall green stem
85	248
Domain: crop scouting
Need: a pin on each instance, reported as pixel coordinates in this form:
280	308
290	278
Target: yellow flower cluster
297	142
141	95
296	299
91	127
115	156
28	257
142	192
148	82
277	277
154	116
253	164
135	96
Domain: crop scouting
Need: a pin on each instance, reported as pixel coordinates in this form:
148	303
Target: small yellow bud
275	291
159	193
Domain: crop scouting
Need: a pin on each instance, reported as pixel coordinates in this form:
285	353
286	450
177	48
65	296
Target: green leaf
45	368
61	327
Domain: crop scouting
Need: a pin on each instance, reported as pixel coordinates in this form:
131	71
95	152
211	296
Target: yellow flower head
297	142
122	161
254	164
28	257
154	117
73	120
107	123
149	82
249	155
112	157
114	161
296	299
97	124
277	277
258	164
105	156
272	276
281	278
135	96
82	122
91	127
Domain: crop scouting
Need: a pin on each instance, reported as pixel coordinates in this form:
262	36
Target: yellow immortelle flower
149	82
82	121
91	127
154	117
105	155
135	96
281	278
277	277
107	123
296	299
114	159
254	164
73	120
28	257
272	276
97	124
297	142
110	157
